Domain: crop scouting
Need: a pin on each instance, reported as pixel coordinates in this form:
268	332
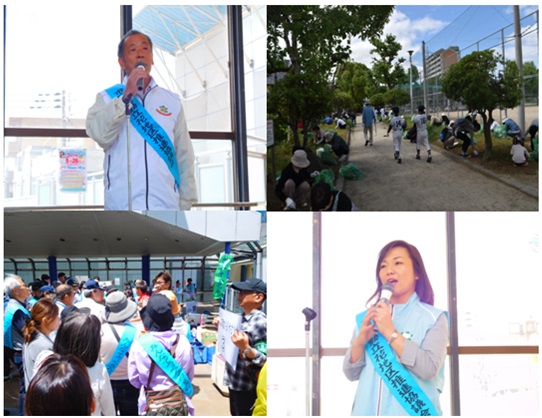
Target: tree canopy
387	68
476	82
306	43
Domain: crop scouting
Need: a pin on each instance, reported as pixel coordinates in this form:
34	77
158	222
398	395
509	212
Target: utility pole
411	95
519	62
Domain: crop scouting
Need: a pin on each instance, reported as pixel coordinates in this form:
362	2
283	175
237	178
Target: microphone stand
309	316
129	149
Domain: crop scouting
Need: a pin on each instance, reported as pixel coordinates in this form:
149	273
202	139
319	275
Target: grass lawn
500	163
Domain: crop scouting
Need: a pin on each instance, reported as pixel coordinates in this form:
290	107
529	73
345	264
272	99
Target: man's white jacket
153	186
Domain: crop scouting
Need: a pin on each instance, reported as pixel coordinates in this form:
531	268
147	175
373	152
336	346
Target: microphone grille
387	287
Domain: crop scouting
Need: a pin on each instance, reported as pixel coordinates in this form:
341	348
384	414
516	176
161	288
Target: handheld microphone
141	80
386	292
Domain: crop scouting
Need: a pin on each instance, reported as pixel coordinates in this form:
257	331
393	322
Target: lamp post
410	71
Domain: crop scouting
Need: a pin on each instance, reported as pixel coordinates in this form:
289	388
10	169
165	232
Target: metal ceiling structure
99	233
173	27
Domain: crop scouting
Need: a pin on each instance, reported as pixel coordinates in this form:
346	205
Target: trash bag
351	172
325	176
327	157
500	131
534	154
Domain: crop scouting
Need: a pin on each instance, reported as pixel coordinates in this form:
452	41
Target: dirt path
448	183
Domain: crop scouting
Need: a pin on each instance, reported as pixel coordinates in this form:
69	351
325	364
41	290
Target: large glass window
497	268
56	66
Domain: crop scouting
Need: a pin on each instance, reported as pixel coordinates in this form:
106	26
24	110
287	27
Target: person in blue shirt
512	128
368	119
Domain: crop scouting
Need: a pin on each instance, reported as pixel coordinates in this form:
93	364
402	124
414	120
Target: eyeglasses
160	283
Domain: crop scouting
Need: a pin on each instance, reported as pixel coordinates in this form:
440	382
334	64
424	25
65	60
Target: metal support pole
452	309
317	303
519	62
146	268
237	93
424	79
411	95
53	272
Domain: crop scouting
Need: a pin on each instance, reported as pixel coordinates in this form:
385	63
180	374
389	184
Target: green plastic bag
327	157
500	131
222	274
351	172
326	176
534	154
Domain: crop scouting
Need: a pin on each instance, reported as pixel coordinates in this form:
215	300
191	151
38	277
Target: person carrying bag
161	363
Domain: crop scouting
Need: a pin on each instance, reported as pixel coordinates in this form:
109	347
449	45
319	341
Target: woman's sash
401	384
122	348
150	131
167	363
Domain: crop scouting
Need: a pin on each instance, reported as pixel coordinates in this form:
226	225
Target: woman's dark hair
61	386
320	196
166	276
79	334
423	285
43	308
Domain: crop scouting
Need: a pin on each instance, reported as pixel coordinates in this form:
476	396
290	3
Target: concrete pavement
448	183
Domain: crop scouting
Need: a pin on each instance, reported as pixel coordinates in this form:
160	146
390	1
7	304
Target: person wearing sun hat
158	319
118	334
294	184
251	340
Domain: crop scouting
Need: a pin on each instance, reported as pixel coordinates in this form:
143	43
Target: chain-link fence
440	53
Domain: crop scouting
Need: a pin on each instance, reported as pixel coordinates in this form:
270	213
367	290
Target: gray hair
87	293
120	52
11	282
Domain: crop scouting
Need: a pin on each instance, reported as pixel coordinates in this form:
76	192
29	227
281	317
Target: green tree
530	75
305	44
476	82
342	101
354	78
378	100
387	68
397	97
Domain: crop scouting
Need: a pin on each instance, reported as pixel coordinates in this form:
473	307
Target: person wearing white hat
294	184
118	335
512	128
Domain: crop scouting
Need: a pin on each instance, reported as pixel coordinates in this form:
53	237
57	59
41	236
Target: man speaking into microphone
399	344
149	159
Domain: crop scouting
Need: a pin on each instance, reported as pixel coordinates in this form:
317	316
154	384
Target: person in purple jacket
158	321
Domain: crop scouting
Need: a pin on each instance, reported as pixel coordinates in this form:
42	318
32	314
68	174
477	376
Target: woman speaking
399	344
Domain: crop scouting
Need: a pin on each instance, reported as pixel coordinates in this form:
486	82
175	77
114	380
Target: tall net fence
450	45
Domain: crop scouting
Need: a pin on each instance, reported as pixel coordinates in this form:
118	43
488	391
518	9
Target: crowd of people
299	186
91	349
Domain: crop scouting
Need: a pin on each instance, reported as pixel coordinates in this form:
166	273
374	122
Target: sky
443	26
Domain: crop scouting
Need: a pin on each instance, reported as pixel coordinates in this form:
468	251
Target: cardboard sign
229	322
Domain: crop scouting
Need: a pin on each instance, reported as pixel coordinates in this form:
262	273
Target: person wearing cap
65	296
158	320
398	124
420	120
118	334
338	145
72	281
37	294
93	298
512	128
48	291
109	290
251	340
295	181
